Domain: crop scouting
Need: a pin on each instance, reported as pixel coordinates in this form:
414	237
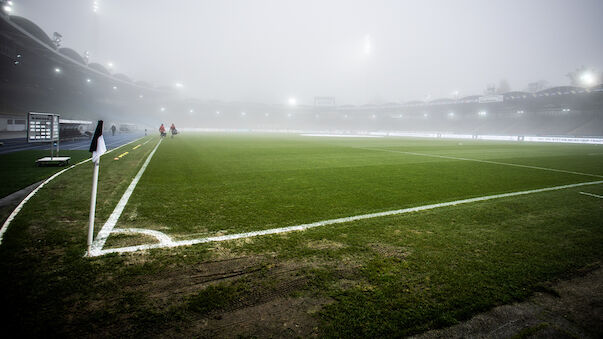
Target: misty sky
270	50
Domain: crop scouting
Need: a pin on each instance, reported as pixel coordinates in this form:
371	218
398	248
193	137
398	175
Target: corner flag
97	147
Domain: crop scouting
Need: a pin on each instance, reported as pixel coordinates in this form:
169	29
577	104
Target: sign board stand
44	127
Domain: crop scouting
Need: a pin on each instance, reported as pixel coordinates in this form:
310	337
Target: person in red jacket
162	130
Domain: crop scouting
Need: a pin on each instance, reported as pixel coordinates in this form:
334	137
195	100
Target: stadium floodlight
243	114
115	88
7	6
57	70
425	115
110	64
95	6
451	114
141	96
191	110
162	109
588	79
179	85
88	80
292	101
566	110
217	112
520	111
482	113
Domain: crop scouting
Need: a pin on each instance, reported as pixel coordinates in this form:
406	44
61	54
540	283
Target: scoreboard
42	127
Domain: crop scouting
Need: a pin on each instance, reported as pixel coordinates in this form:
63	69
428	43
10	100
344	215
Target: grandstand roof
560	90
442	101
98	67
68	52
33	29
122	77
470	97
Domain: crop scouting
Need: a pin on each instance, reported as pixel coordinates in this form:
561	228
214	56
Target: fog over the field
356	51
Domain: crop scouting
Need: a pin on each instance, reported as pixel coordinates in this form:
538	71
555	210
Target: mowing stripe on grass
483	161
103	234
592	195
30	195
165	243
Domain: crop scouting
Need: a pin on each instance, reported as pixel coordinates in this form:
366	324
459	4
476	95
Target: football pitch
353	236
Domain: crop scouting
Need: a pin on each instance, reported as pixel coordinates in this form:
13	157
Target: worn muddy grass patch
117	240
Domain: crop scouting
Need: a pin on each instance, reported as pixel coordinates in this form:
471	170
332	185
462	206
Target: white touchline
17	209
165	243
484	161
340	135
103	234
592	195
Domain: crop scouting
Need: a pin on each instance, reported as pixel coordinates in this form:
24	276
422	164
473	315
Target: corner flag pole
97	147
93	204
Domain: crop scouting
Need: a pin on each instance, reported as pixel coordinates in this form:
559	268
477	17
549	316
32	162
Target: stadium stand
39	76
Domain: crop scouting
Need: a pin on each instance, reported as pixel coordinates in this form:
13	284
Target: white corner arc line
105	231
161	237
336	221
17	209
482	161
592	195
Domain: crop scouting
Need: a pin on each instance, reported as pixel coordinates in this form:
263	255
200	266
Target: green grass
19	169
240	183
381	277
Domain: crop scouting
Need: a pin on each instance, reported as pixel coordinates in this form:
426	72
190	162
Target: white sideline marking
592	195
30	195
341	135
103	234
302	227
483	161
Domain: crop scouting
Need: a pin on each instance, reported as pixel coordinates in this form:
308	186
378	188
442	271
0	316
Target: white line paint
341	135
302	227
592	195
103	234
482	161
161	237
17	209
